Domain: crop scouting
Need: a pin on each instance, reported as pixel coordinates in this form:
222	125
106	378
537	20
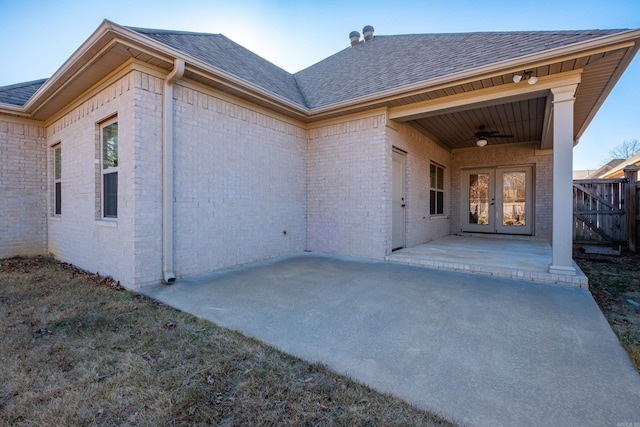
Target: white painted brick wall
349	188
147	184
240	183
77	236
23	188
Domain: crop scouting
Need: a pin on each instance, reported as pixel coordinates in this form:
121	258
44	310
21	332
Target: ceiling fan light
481	142
517	78
532	80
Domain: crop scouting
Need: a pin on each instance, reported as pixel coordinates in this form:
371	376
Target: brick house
154	154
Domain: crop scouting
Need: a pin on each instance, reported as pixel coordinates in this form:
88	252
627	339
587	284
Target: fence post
631	173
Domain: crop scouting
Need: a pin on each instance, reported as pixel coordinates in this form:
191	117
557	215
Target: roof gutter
13	110
168	171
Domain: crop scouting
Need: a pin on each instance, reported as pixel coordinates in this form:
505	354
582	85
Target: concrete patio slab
506	256
481	350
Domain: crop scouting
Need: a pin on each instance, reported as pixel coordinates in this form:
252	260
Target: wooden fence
634	223
606	210
599	213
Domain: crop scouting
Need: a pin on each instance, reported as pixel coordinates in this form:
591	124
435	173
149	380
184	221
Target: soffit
79	79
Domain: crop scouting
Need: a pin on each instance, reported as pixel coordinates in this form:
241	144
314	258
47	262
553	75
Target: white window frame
108	170
436	186
57	178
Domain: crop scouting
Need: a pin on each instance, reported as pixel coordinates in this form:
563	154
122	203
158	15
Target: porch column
562	237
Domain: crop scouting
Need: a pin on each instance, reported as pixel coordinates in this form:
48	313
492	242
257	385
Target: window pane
432	202
440	203
440	178
58	202
432	176
110	191
57	166
110	146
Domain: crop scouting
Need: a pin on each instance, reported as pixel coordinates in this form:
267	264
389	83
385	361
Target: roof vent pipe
355	37
367	32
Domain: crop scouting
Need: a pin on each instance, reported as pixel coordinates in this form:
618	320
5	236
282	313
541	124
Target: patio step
521	260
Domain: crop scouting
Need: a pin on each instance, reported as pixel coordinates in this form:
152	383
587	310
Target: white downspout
167	170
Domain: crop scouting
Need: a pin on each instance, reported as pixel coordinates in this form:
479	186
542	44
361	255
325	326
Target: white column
562	238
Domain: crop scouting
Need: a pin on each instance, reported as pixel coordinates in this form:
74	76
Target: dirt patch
614	282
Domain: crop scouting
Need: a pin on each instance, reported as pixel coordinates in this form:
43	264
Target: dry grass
78	350
613	281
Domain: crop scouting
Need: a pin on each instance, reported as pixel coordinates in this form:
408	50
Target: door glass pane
479	198
514	185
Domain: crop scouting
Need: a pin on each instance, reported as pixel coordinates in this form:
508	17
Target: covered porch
520	121
522	258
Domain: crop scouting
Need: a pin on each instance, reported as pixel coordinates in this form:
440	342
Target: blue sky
38	36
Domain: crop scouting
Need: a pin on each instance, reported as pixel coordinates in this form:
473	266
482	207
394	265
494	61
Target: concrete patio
482	350
512	257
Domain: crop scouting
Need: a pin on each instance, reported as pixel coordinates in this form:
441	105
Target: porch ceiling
526	116
522	119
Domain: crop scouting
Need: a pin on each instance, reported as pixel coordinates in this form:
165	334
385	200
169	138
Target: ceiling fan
482	135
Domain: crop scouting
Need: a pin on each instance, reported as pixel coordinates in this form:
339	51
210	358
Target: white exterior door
398	202
498	200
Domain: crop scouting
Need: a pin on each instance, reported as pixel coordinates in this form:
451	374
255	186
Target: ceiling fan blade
482	133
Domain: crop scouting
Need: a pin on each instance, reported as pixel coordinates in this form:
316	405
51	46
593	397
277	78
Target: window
436	194
109	143
57	179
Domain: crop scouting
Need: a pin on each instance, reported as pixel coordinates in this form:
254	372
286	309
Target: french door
498	200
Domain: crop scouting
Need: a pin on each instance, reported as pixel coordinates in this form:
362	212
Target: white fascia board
483	97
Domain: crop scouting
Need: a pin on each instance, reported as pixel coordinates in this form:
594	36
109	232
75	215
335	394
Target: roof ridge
142	30
514	32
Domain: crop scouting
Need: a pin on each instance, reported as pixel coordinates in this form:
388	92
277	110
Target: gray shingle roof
381	64
219	51
389	62
20	93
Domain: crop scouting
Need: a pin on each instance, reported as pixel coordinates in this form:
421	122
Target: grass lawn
77	349
614	282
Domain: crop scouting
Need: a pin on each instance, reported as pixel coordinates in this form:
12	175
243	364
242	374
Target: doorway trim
490	214
398	198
